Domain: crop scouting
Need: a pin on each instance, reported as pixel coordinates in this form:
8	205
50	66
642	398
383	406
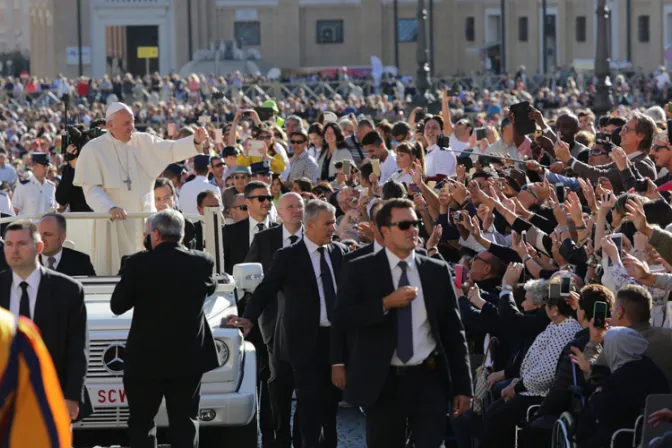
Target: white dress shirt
57	257
286	234
388	167
315	259
423	341
190	191
34	197
377	247
33	281
254	229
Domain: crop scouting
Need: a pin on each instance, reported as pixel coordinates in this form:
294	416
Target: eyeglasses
597	152
264	137
625	129
298	142
242	208
261	198
405	225
240	177
219	165
659	148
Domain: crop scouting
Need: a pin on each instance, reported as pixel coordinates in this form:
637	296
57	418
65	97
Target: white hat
116	107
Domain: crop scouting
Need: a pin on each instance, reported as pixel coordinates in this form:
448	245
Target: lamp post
422	55
603	101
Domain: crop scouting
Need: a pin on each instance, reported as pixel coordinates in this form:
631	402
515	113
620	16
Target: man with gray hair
150	373
117	173
306	273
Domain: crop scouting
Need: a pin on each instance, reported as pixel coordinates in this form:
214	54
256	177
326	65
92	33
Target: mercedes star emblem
113	359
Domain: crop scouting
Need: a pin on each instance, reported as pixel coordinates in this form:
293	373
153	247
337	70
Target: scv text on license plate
108	397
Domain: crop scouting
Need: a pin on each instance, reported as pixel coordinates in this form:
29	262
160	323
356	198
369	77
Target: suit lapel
5	288
276	239
43	301
385	273
308	264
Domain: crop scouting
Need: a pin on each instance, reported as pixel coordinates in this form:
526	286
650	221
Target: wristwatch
507	288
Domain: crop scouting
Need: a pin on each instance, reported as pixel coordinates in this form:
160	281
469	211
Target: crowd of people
533	234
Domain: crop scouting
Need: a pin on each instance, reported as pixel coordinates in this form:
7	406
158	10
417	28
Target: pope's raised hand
200	135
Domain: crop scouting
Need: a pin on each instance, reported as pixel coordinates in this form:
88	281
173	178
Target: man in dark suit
305	272
182	333
238	236
281	380
237	240
53	228
55	303
3	263
411	353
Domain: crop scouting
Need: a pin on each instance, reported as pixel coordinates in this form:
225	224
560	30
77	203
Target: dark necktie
293	239
24	305
51	261
261	226
327	282
404	322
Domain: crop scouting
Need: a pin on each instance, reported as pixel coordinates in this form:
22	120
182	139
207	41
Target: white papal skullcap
116	107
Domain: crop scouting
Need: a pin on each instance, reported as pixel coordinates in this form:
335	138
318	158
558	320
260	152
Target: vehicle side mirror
248	276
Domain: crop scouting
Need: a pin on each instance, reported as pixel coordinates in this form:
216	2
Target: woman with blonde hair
407	154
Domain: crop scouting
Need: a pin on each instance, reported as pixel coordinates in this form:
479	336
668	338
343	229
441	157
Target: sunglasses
261	198
219	165
264	137
298	142
242	208
597	152
405	225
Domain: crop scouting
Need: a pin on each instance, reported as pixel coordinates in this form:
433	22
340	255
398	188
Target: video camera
78	136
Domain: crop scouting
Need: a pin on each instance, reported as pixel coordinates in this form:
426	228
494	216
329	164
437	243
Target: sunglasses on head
405	225
263	198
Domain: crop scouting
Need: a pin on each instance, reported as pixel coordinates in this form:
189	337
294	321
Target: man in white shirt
36	195
200	183
7	171
376	149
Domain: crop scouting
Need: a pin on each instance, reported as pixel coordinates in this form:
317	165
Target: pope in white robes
117	173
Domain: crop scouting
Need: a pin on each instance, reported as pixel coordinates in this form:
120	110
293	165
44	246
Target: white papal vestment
103	168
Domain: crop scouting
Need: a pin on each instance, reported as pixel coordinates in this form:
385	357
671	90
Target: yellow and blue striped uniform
32	407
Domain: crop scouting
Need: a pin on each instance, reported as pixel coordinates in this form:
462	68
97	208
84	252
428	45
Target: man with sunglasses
636	140
411	359
238	210
200	183
241	176
662	155
302	164
218	168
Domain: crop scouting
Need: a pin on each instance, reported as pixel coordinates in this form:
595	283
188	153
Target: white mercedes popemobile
228	408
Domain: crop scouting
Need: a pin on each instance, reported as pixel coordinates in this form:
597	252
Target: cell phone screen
617	238
565	286
600	314
523	237
560	193
459	275
347	168
480	133
554	291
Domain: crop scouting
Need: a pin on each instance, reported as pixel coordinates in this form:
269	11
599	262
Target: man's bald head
568	127
290	209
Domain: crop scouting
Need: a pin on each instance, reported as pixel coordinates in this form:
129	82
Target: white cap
116	107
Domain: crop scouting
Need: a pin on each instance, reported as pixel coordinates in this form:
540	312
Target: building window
643	28
469	31
522	29
407	30
329	31
247	33
581	29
